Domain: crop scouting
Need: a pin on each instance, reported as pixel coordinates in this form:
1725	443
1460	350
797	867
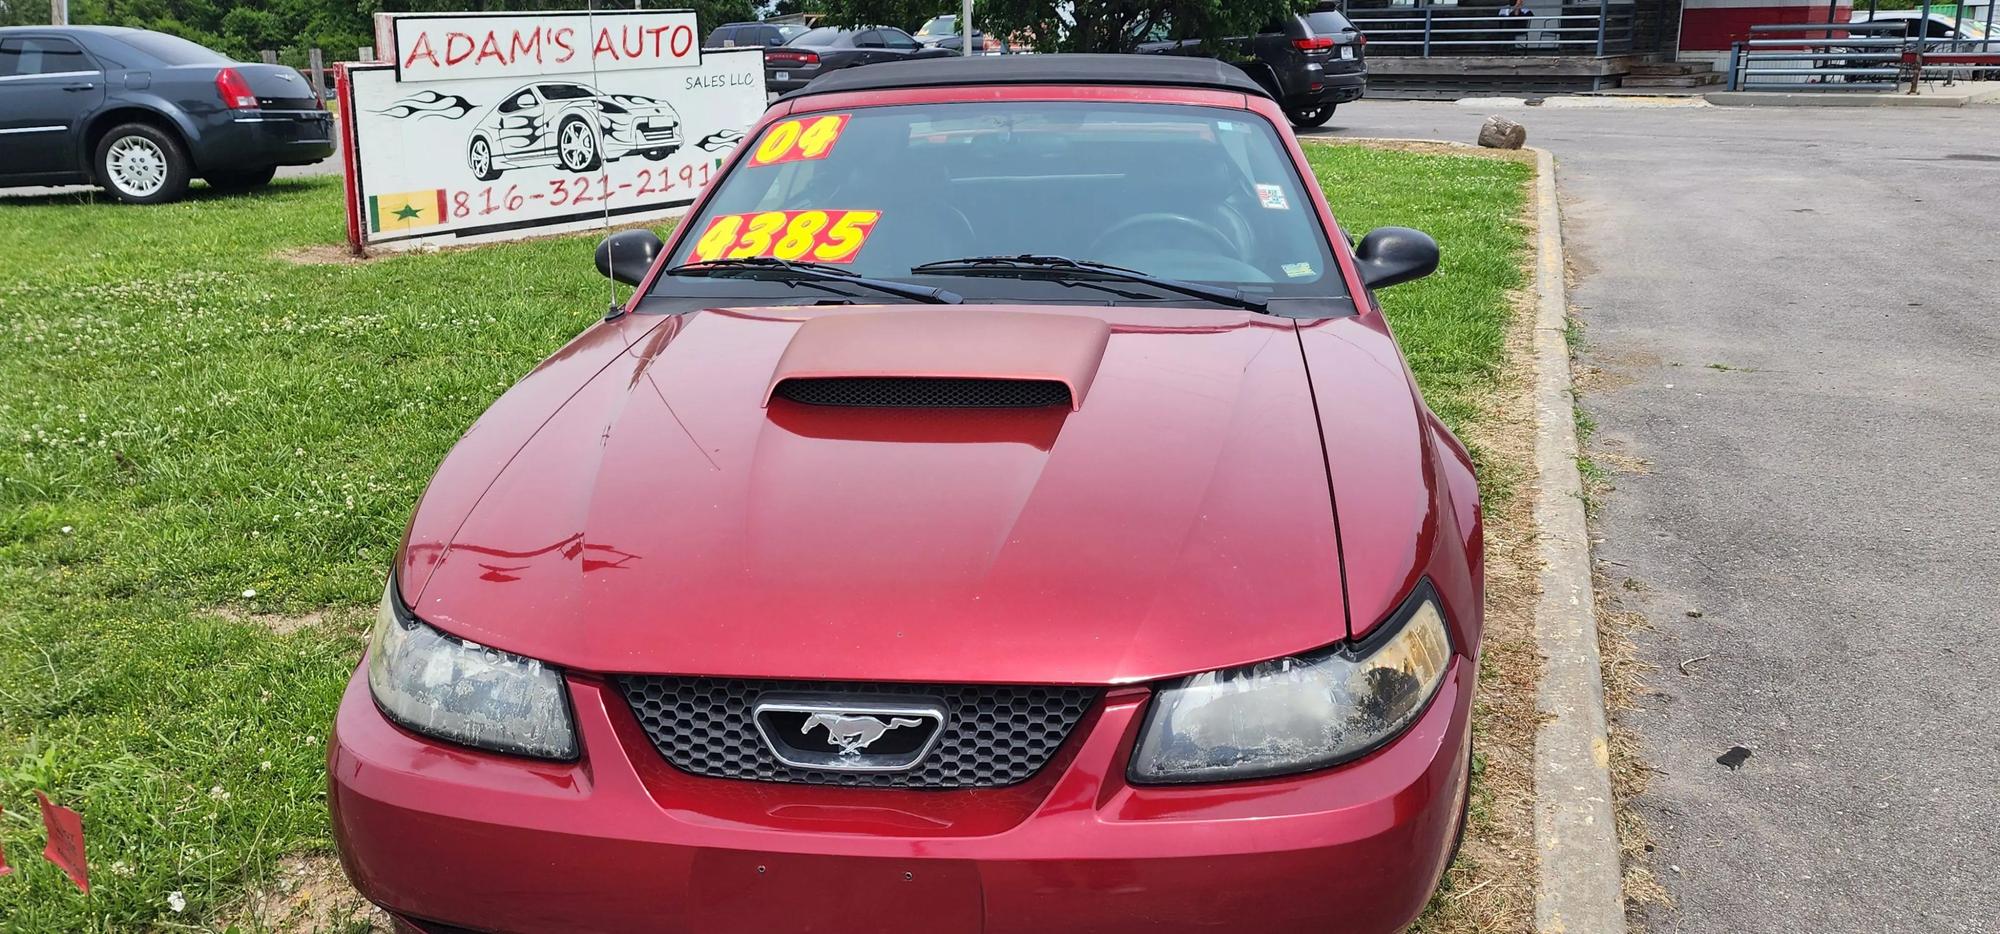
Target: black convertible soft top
960	71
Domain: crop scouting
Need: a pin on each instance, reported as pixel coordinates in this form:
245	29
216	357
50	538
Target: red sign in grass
65	847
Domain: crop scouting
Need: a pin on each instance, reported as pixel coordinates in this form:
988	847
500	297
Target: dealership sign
489	127
445	47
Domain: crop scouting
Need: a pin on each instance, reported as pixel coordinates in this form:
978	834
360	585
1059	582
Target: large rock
1502	133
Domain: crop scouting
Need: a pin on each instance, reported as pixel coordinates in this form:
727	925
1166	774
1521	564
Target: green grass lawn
198	437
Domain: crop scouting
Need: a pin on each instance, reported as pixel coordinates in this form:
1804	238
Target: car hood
666	518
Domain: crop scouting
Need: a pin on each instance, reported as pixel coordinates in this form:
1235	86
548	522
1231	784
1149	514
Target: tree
904	14
1120	25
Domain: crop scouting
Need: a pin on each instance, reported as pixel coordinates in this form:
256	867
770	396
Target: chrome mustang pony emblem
849	733
853	734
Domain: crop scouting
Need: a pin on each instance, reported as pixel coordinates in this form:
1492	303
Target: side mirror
1392	255
626	255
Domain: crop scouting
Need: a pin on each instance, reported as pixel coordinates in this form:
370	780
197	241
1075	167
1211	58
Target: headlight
1297	713
464	692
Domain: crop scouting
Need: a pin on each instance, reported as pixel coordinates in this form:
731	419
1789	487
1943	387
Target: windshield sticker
1298	270
1272	197
799	140
792	236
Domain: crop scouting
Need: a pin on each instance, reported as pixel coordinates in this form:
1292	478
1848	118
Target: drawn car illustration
572	126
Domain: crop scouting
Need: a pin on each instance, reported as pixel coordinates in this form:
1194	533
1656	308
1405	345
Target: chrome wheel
136	166
481	159
578	147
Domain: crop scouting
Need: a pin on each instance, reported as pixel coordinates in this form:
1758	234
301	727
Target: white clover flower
177	901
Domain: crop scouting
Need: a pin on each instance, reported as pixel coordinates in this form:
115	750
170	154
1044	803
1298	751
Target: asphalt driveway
1797	312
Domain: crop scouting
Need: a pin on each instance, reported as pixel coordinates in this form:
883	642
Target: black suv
143	112
1311	62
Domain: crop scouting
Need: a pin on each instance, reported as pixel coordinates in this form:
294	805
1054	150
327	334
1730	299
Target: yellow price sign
799	139
792	236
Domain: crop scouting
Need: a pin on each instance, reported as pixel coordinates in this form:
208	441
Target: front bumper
662	140
621	841
234	141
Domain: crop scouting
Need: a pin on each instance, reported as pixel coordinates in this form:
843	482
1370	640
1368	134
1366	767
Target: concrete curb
1576	830
1579	873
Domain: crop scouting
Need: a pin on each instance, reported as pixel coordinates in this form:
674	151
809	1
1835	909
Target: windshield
170	50
1191	193
565	92
939	26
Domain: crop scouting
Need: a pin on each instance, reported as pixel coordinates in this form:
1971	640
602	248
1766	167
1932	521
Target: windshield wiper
817	275
1042	265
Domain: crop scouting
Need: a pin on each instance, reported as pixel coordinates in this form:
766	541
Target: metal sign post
965	26
58	12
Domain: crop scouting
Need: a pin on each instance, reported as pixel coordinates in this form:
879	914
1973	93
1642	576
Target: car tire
479	158
576	146
139	163
1309	119
658	155
242	180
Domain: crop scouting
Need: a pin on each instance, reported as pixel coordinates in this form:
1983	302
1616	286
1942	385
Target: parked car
1965	35
942	32
935	28
142	113
765	34
1007	510
982	44
1312	62
818	51
573	126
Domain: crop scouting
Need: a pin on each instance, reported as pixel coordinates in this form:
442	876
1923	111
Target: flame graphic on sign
429	104
720	139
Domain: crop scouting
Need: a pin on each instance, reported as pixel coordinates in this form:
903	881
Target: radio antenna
612	310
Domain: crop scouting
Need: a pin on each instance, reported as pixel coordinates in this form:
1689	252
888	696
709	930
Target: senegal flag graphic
406	211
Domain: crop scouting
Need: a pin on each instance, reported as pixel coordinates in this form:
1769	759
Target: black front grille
993	735
946	392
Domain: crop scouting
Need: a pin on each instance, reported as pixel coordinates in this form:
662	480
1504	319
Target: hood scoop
960	358
925	392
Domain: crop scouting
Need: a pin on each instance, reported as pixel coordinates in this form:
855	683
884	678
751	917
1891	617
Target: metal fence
1574	29
1865	56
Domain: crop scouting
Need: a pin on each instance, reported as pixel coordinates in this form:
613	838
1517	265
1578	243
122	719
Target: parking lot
1789	340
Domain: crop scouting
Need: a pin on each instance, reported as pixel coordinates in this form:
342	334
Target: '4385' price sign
793	236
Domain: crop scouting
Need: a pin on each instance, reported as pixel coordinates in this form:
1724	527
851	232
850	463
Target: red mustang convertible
1000	507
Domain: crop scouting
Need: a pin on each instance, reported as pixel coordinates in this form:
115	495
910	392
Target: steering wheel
1177	222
